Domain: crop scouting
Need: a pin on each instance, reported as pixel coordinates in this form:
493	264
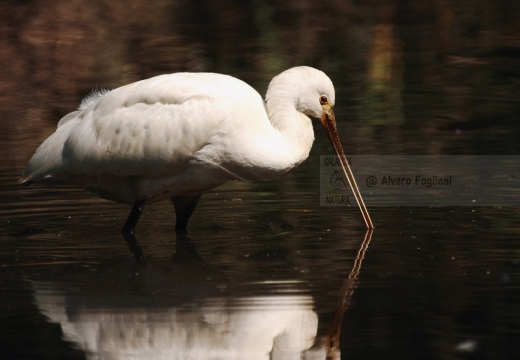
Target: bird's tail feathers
47	161
26	180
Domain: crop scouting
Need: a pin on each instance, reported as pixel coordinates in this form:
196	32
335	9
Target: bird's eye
323	99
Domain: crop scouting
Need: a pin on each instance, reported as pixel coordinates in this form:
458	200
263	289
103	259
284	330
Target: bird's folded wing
151	140
143	129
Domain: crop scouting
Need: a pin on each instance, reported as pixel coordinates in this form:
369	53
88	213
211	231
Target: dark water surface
266	272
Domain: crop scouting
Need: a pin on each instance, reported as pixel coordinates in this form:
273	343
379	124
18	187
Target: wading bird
176	136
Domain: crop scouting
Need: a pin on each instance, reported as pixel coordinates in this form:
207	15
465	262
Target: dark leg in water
131	221
128	232
184	206
135	248
185	249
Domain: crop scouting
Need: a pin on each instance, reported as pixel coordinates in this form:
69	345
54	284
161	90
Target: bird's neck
294	127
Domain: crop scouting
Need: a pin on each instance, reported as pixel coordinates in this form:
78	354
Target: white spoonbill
176	136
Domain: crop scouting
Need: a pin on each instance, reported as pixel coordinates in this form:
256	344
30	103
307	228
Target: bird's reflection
271	327
179	309
185	309
347	291
184	248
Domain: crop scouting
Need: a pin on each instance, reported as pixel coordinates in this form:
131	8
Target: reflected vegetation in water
429	78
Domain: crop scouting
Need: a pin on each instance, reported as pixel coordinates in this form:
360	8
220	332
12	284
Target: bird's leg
131	221
185	249
135	248
184	206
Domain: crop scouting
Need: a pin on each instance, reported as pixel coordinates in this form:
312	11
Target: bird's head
316	93
313	95
310	89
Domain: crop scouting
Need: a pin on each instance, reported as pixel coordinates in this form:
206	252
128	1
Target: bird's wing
150	128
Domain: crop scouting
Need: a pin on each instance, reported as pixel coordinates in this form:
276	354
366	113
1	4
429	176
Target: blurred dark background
433	77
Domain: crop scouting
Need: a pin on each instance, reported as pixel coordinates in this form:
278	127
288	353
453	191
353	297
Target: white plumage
274	327
176	136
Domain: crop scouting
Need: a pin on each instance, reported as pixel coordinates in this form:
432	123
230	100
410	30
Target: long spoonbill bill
176	136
